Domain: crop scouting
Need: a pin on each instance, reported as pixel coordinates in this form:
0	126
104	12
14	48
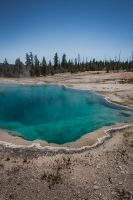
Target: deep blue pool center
54	113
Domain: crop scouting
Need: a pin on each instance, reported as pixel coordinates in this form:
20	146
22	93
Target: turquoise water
54	113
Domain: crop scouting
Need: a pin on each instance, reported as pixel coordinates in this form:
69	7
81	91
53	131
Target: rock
95	187
120	167
113	192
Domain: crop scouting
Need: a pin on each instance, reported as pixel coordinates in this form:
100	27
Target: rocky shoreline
52	151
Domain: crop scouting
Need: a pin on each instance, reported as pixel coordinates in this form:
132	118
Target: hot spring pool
55	113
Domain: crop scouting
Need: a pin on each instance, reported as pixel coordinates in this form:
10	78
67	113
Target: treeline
33	67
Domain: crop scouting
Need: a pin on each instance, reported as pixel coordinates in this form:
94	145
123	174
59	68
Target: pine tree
5	62
6	71
27	62
56	62
64	62
44	63
31	59
36	61
37	67
44	67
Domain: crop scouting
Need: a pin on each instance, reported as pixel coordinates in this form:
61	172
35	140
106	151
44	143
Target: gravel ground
104	173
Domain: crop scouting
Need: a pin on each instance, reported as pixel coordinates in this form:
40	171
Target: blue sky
93	28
